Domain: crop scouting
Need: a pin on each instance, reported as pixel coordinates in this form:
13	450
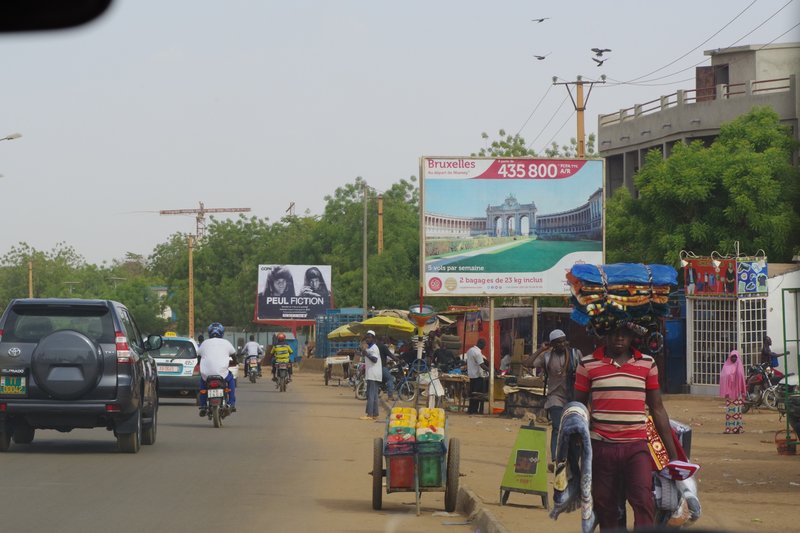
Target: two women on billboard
278	299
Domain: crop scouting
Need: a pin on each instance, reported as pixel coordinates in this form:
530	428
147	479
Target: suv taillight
1	334
123	350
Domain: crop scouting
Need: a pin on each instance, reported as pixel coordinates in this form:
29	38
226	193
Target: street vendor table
457	390
337	361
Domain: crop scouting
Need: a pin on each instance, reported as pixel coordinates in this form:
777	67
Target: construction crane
201	215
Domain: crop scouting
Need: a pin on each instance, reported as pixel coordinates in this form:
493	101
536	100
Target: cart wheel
377	473
451	489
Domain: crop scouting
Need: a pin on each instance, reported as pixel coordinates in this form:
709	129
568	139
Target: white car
178	367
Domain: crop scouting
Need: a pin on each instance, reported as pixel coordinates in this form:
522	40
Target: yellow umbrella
385	326
344	333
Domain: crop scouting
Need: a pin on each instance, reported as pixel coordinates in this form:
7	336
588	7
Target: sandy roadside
745	485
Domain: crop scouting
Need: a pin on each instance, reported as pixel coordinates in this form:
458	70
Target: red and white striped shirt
617	394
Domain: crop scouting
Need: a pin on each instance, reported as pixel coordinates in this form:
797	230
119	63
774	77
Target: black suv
69	363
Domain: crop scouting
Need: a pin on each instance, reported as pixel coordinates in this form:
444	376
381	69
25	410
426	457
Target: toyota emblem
14	352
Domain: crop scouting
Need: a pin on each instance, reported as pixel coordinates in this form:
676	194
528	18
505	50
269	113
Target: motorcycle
217	393
282	375
252	368
765	386
404	387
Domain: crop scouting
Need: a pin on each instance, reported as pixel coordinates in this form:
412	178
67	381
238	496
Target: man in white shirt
373	373
214	354
476	366
252	349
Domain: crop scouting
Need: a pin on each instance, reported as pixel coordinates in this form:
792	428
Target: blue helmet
216	330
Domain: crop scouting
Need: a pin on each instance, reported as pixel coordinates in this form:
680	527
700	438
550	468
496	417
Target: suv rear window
177	348
30	323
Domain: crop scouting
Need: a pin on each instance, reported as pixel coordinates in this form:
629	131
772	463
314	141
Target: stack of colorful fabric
430	425
604	295
402	425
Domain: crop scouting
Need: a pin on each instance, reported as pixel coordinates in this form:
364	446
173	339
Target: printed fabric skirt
733	416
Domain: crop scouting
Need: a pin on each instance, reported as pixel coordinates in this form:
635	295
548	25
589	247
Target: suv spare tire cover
67	364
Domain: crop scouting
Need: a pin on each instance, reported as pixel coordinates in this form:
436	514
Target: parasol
390	326
344	333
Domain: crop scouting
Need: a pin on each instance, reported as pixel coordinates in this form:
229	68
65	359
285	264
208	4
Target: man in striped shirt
619	384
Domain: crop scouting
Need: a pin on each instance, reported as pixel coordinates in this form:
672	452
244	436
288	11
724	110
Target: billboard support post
491	356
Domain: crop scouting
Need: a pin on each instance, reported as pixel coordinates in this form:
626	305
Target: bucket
785	446
430	470
401	472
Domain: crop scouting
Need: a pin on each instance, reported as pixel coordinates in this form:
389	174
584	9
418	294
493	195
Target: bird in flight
540	20
542	57
599	61
599	51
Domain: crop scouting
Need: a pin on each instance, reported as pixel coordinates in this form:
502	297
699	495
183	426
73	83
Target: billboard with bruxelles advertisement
508	226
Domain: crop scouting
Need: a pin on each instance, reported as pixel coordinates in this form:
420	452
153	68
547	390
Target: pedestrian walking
372	374
621	384
559	362
476	369
733	387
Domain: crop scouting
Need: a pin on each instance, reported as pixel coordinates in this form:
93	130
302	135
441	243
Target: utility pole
364	255
30	279
580	105
380	224
191	288
201	215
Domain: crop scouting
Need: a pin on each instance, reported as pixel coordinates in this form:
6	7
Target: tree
516	146
741	188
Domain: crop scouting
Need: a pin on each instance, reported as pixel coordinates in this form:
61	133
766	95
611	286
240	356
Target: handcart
340	361
416	467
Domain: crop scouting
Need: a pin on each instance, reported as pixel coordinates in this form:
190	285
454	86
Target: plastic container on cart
430	470
401	471
429	465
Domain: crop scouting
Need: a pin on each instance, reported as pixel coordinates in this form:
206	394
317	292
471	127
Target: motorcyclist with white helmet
215	354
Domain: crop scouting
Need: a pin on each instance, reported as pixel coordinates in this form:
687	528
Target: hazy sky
162	105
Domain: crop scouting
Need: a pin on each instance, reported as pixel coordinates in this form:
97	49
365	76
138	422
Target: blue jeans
555	419
372	397
231	395
388	378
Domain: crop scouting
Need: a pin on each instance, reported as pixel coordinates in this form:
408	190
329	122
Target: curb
471	505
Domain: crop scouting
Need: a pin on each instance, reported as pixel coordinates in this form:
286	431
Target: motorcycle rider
281	353
768	357
252	349
215	354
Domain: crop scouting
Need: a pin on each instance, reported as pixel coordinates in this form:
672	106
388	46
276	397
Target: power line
707	59
549	121
534	109
698	46
550	142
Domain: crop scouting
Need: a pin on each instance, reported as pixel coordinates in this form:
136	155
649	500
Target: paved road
294	461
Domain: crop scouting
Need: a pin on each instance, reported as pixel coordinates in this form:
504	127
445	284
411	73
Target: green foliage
515	146
741	188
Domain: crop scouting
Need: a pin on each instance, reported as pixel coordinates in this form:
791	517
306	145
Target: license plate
13	385
169	368
283	365
252	364
216	393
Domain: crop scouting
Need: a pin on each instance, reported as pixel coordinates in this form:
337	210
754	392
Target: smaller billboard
725	277
293	292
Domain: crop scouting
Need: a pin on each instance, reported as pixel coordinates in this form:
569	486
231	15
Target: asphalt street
294	461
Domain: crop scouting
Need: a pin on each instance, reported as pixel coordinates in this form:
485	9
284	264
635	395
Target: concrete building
738	79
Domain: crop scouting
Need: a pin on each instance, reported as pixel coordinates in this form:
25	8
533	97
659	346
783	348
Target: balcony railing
689	96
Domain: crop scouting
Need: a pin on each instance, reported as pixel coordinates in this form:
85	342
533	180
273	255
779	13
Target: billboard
508	227
293	292
725	277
